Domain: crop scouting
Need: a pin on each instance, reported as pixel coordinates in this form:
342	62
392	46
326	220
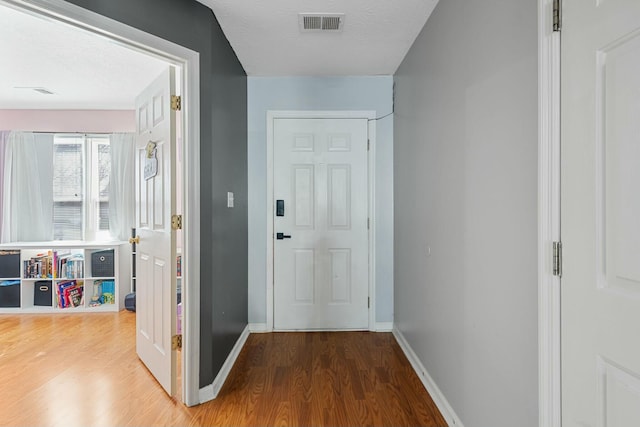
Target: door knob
134	240
281	236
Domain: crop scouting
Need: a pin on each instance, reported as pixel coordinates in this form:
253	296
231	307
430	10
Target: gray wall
465	150
223	133
319	93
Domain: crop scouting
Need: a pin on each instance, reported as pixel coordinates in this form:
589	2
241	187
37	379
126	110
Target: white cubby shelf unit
59	277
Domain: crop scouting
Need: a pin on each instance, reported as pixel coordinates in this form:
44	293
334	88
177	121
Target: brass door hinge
557	259
176	103
176	342
176	222
557	15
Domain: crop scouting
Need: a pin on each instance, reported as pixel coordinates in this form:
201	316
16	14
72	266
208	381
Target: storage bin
10	264
102	263
10	293
42	293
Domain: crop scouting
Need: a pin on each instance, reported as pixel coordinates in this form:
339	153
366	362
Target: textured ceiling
265	35
87	72
82	70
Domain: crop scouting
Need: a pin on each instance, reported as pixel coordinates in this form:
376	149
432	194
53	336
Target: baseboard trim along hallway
438	398
258	328
384	326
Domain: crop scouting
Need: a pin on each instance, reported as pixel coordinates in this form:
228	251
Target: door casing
370	116
188	63
549	387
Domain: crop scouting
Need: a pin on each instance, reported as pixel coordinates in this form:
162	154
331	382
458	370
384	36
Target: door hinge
176	222
368	144
368	223
368	302
176	342
176	102
556	15
557	259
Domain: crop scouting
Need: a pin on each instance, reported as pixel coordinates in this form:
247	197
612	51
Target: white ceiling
377	35
85	71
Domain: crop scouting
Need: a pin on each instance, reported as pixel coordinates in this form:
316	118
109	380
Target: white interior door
601	213
321	271
155	278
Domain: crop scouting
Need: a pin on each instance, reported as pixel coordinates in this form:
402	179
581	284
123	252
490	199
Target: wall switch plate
229	199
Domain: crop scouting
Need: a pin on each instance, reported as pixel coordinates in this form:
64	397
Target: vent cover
41	90
315	22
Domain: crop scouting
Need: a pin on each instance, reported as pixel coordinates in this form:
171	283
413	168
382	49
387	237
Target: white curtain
27	199
121	185
4	140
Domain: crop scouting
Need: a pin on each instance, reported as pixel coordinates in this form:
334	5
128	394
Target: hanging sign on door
150	161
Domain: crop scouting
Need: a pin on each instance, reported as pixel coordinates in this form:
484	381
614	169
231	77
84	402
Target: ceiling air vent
41	90
314	22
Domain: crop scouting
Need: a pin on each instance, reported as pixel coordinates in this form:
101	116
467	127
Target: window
81	168
103	163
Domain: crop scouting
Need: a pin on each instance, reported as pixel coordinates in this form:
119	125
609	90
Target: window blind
68	188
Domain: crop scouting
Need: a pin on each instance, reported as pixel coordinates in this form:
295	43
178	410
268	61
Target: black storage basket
10	264
102	263
10	295
42	293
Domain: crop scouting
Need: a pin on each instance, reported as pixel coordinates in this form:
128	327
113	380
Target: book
62	297
40	266
74	295
70	266
108	292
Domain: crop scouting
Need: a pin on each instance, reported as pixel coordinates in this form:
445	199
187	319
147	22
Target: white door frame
189	65
549	376
370	116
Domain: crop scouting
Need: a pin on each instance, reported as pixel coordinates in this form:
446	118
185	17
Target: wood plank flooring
82	370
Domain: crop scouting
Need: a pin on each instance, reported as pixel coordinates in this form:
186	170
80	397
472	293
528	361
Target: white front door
320	187
155	281
600	219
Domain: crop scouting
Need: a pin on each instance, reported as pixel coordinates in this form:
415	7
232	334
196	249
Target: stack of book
70	293
68	265
40	266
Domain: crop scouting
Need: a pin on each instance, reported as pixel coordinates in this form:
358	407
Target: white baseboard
384	326
206	394
258	328
211	391
438	398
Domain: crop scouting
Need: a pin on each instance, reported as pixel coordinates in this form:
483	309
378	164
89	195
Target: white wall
465	177
319	93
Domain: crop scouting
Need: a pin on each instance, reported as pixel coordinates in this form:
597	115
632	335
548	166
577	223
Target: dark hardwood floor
82	369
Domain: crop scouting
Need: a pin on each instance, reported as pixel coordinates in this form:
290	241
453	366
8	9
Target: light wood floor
82	369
